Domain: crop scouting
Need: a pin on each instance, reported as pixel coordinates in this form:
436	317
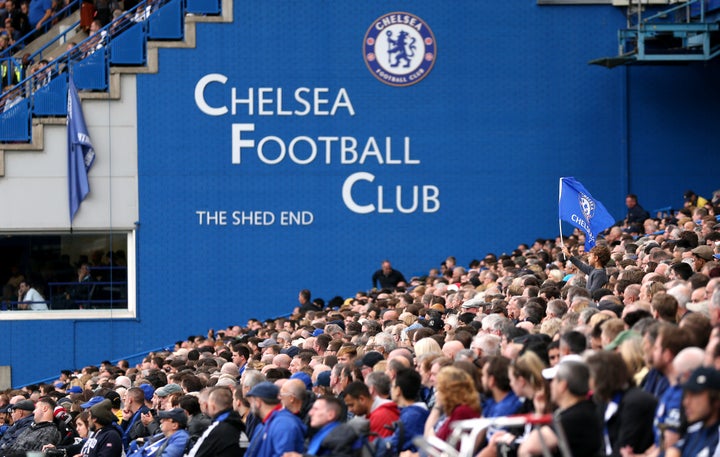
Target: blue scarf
317	440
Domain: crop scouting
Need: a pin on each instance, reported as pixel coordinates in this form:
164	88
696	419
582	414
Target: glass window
67	276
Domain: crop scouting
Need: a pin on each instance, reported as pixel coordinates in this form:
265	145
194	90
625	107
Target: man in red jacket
379	413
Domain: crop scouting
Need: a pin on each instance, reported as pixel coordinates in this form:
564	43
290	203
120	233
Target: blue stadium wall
509	106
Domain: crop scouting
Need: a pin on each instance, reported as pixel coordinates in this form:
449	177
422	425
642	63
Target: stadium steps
113	93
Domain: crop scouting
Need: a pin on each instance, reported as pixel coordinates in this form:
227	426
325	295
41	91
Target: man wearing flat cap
42	431
21	413
702	255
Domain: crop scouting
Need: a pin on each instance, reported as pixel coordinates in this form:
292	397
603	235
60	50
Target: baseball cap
620	339
267	343
168	389
304	377
92	402
704	378
264	389
103	412
370	359
473	303
323	379
550	373
176	414
149	391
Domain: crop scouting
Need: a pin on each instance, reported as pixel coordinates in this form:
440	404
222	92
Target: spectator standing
387	277
39	12
598	257
636	214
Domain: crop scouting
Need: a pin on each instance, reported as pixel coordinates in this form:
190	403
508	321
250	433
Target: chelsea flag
81	154
580	209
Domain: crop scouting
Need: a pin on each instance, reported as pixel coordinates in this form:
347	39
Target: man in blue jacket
173	439
405	390
281	431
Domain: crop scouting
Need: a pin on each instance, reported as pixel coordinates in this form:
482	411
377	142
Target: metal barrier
466	434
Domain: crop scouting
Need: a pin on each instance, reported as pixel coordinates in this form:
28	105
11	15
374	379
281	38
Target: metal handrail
26	39
139	13
676	8
58	37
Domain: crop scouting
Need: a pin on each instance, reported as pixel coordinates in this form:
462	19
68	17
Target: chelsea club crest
399	49
587	205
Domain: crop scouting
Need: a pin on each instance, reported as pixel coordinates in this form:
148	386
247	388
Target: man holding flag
580	209
81	154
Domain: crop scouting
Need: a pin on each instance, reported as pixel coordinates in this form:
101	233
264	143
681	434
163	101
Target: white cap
550	373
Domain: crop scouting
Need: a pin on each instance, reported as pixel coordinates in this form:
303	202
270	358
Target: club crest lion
399	49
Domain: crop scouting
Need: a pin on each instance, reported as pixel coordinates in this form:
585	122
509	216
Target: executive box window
77	274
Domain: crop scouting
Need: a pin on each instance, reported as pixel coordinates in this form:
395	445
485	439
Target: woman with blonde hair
634	357
527	381
456	399
427	346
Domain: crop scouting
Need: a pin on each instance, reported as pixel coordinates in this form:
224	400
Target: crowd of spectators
21	23
621	345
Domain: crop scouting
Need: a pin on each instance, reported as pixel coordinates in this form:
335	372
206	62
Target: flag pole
562	242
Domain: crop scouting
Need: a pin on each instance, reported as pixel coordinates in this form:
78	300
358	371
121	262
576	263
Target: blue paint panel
509	106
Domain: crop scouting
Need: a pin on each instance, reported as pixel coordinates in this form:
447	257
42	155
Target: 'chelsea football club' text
214	99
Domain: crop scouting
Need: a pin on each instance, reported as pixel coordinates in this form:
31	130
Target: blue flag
80	151
580	209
